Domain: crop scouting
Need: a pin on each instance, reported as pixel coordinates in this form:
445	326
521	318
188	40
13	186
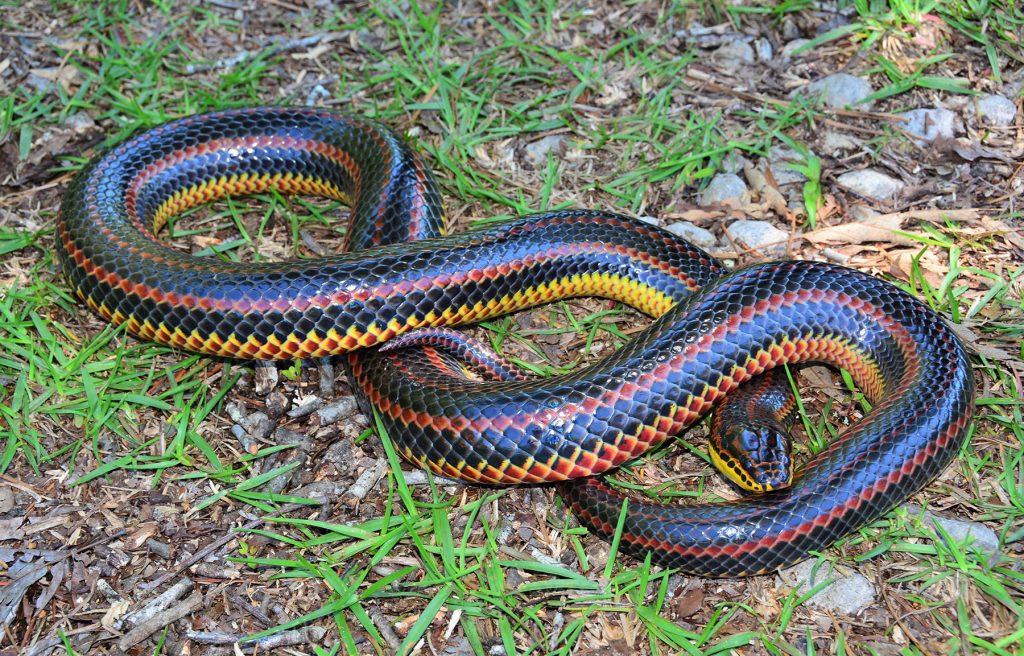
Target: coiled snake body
716	329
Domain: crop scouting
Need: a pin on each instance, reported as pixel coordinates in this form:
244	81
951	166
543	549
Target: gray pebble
697	236
861	212
840	90
982	539
997	110
763	48
43	80
780	158
733	56
787	50
80	122
790	30
847	594
929	124
870	184
723	187
733	162
833	142
649	220
536	152
759	235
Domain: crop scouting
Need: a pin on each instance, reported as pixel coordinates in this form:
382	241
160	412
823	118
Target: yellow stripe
243	184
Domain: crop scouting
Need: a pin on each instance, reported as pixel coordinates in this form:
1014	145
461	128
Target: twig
258	614
968	214
368	479
420	477
217	544
216	570
326	368
161	549
155	622
337	410
272	49
711	85
306	406
24	487
161	603
385	628
310	634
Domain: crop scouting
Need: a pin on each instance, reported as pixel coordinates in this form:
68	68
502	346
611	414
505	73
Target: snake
715	329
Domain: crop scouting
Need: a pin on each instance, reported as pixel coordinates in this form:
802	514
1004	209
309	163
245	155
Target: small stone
596	27
723	187
929	124
997	110
847	594
833	142
870	184
981	538
7	500
760	236
787	50
764	50
536	152
780	159
80	122
166	513
840	90
790	30
734	162
649	220
40	82
699	237
860	212
733	56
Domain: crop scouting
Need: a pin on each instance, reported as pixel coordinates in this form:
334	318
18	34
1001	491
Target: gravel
697	236
536	152
723	187
733	56
840	90
870	183
760	236
981	538
997	110
847	594
929	124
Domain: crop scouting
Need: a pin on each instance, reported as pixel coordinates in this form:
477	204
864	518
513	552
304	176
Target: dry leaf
139	536
114	613
695	215
689	602
874	229
975	344
902	262
971	150
10	529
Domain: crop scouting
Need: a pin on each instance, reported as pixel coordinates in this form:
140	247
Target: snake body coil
715	331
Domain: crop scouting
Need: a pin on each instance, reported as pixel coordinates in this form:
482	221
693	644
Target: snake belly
716	329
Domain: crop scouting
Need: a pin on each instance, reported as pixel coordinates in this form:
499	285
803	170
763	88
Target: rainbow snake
714	330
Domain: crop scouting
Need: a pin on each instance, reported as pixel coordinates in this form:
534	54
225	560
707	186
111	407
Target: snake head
757	457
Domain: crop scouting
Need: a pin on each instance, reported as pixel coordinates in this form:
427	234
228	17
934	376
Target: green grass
78	397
